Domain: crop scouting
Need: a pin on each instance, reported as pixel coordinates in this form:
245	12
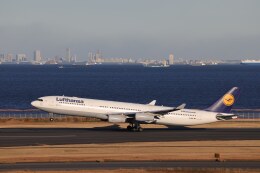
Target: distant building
164	62
171	59
95	57
68	56
98	56
51	62
37	56
90	57
74	58
2	57
9	57
20	57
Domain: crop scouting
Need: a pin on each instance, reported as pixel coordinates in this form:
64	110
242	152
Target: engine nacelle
144	117
116	118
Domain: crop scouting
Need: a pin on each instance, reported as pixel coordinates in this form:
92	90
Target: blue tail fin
225	103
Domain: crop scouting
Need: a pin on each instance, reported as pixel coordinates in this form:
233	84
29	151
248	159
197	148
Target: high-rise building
20	57
171	59
90	57
75	58
2	57
37	56
68	56
98	56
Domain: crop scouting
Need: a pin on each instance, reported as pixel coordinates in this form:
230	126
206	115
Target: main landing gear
134	127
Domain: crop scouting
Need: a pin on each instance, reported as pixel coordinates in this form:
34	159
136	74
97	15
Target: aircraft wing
143	116
162	112
154	112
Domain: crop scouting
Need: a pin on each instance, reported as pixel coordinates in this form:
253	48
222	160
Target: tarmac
10	137
57	166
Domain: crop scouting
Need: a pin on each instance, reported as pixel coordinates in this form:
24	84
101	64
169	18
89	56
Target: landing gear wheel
139	129
129	128
134	130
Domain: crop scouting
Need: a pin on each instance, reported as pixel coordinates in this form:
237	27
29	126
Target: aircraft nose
34	103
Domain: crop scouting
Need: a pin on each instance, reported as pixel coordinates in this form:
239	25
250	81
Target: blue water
197	86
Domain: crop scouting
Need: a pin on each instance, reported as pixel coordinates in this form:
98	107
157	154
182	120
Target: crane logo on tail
228	99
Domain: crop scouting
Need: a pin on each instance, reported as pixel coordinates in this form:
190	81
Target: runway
127	165
57	136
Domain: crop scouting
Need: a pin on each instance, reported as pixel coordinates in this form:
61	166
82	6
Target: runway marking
38	136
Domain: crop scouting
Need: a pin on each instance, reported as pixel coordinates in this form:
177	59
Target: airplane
136	114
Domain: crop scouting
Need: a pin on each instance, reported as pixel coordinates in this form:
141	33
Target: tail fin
225	103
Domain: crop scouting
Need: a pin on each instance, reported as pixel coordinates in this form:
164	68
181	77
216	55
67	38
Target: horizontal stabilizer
226	117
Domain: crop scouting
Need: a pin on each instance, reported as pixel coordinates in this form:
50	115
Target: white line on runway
37	136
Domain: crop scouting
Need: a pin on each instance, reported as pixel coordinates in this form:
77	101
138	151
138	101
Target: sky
201	29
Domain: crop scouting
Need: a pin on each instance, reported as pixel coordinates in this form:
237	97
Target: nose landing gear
51	117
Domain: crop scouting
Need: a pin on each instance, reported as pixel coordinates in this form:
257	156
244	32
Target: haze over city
223	29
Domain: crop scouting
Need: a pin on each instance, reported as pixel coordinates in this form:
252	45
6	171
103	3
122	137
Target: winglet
152	103
182	106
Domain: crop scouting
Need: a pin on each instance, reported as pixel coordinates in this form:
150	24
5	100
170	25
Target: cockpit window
40	100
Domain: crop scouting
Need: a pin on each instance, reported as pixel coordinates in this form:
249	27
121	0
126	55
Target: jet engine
116	118
144	117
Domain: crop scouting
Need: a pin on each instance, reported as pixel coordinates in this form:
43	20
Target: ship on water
156	65
250	62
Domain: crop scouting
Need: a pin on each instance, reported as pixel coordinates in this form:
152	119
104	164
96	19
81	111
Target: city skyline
135	29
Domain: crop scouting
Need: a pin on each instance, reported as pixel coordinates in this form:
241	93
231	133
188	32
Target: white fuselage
101	109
